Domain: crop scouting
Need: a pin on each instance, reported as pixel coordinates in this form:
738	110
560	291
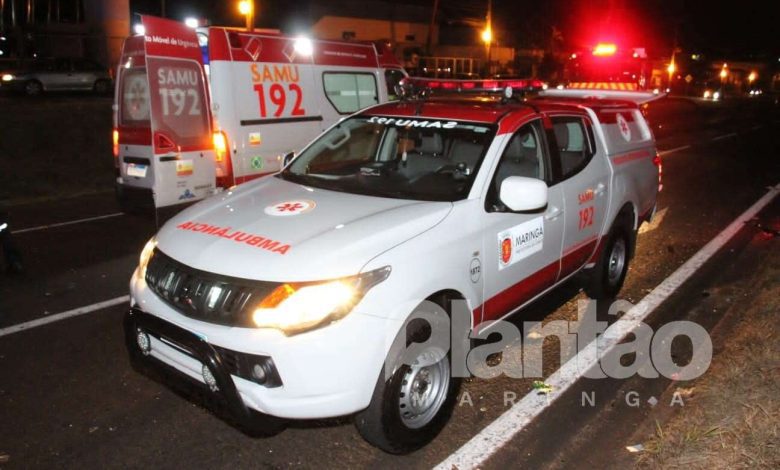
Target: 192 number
586	217
177	99
278	97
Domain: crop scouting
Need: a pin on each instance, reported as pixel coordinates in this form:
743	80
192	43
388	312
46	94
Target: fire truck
608	67
197	111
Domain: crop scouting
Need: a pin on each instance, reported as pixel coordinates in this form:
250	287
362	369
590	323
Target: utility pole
430	28
162	8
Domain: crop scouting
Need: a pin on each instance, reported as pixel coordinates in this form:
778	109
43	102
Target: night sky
720	28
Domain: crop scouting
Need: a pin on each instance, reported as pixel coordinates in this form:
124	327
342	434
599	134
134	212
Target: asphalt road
68	396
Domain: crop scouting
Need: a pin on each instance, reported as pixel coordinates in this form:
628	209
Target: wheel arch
628	218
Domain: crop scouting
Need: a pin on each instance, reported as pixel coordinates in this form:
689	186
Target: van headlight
146	254
298	307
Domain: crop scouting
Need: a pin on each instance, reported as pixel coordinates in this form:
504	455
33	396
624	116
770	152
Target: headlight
7	77
295	308
146	253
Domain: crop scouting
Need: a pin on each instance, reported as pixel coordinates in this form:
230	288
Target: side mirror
523	194
287	159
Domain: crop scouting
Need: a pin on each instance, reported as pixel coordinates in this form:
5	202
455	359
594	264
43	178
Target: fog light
259	373
144	343
208	377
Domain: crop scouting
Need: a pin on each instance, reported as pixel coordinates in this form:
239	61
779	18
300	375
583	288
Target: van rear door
180	116
172	107
132	129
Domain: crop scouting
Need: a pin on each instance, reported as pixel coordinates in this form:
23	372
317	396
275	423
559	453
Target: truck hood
249	232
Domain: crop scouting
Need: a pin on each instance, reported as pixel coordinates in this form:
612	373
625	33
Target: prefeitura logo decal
520	241
288	208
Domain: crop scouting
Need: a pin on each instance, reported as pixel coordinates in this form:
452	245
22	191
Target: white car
283	296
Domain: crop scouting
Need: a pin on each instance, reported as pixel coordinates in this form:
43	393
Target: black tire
33	88
385	425
608	275
102	87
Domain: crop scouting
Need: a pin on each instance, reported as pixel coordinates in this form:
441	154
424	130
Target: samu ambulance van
200	110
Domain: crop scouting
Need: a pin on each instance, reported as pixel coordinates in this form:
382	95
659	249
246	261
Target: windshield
421	159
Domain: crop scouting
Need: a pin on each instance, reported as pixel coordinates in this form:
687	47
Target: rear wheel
610	271
33	88
409	409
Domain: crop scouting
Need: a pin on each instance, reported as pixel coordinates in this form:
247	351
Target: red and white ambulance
200	110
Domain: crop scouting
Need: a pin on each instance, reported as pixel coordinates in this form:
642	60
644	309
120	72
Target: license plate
135	169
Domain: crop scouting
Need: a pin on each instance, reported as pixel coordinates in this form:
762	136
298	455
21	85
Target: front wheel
409	409
610	271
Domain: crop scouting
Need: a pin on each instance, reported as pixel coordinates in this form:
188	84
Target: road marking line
482	446
62	316
676	149
71	222
724	136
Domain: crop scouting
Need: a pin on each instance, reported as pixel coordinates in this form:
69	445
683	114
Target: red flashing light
490	84
604	49
449	85
516	84
657	162
433	84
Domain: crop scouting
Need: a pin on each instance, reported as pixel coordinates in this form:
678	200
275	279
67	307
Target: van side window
350	92
573	143
524	155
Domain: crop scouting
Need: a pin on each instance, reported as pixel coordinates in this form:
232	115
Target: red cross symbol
289	206
137	96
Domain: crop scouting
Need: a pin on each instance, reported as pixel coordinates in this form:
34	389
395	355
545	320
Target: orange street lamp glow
487	35
671	68
752	77
723	73
245	7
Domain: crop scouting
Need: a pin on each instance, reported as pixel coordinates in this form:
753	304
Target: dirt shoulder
731	414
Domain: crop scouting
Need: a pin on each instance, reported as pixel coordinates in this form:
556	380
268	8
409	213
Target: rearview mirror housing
522	194
288	158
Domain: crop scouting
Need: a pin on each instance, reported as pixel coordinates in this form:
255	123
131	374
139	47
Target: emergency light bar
478	86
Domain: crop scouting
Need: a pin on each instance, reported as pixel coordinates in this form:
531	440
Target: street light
247	8
752	77
487	35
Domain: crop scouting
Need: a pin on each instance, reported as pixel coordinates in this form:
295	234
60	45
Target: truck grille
202	295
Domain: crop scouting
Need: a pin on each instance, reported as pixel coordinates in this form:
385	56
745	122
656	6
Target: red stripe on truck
518	294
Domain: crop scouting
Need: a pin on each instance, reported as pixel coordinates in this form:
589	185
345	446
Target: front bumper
323	373
137	322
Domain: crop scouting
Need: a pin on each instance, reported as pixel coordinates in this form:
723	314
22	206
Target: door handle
600	188
553	213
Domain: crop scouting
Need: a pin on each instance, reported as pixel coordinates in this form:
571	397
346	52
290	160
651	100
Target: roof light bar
489	85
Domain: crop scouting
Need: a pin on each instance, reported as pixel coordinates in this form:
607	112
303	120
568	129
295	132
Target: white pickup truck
284	295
